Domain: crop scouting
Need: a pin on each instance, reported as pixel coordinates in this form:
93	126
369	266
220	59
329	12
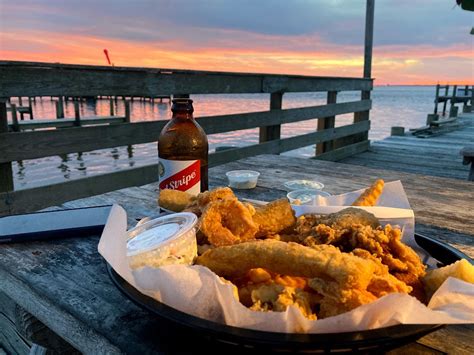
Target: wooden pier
65	80
436	154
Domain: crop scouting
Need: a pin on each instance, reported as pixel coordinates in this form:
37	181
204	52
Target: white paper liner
198	291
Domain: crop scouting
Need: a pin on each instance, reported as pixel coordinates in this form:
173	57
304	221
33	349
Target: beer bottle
183	151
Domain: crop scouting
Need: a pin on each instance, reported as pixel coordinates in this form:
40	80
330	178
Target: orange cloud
391	64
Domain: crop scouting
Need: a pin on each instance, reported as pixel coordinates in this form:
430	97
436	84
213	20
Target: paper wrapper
198	291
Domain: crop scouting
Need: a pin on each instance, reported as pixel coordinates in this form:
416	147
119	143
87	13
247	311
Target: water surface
392	106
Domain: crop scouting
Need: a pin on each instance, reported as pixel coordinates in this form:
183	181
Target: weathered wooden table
66	286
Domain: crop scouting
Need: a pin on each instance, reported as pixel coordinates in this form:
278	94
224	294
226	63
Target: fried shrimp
227	222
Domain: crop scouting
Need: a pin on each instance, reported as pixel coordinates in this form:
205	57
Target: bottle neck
183	115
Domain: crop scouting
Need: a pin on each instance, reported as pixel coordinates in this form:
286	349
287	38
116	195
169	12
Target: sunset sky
415	41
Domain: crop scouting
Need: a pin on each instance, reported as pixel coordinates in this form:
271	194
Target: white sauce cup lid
159	232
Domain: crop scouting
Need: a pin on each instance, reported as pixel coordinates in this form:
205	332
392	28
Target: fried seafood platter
324	265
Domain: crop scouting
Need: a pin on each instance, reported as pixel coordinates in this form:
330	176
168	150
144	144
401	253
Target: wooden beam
31	145
40	197
68	122
286	144
344	152
268	133
23	78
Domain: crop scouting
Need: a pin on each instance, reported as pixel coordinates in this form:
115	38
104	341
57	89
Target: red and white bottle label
183	175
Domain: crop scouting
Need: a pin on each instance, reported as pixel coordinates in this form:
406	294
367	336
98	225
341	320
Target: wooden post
397	131
436	99
369	37
327	123
15	125
111	107
6	173
127	111
446	90
30	107
471	107
270	133
431	117
465	103
453	110
59	108
77	114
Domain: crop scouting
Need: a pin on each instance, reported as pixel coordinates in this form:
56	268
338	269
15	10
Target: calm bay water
392	106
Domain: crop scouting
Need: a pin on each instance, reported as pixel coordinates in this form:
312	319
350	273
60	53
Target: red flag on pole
106	52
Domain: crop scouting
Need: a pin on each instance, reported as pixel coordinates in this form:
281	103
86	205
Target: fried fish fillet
175	200
274	217
323	261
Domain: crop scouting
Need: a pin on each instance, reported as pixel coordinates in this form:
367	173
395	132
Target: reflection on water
392	106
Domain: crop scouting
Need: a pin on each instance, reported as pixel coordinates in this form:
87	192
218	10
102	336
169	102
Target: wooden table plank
66	286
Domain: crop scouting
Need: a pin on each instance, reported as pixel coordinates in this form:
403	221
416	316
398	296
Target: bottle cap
183	104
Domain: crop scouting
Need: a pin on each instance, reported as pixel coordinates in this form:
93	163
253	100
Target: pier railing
44	79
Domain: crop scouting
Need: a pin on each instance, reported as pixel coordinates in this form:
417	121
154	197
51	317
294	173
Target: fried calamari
227	222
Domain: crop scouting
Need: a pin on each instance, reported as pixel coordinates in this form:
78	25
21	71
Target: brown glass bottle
183	151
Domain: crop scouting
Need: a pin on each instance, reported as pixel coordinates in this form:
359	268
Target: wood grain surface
46	79
437	154
66	286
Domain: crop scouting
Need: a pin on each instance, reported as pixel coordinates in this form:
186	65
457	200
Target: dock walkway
436	155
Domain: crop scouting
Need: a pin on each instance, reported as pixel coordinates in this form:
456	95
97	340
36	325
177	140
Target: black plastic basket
233	339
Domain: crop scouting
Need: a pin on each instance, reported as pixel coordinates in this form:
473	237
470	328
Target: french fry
370	196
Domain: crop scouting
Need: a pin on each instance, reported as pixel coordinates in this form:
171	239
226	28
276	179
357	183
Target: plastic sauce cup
162	241
242	179
305	196
303	184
